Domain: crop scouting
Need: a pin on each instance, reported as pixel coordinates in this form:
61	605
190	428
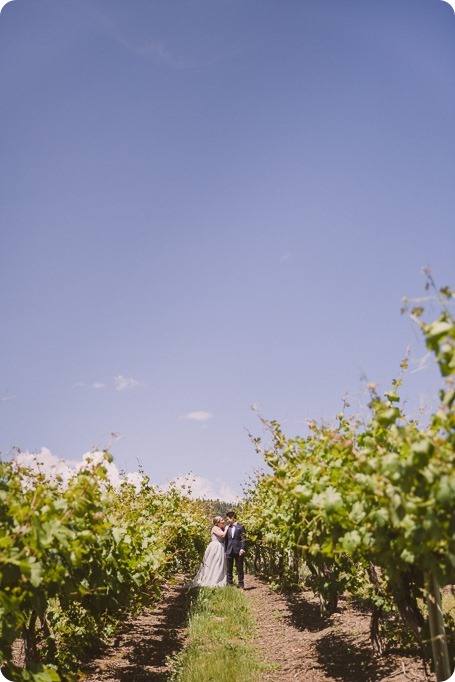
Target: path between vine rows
291	635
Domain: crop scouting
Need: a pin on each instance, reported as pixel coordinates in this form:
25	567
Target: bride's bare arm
219	532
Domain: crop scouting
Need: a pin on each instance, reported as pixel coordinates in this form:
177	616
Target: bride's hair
217	519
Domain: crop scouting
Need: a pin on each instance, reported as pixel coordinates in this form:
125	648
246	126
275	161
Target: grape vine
370	500
76	558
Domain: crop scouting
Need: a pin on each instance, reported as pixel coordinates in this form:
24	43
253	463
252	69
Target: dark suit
233	546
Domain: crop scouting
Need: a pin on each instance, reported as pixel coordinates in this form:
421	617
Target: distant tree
219	507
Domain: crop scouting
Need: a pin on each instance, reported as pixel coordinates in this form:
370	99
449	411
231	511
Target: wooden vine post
439	648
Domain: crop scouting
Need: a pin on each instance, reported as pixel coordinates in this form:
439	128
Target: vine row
369	504
77	557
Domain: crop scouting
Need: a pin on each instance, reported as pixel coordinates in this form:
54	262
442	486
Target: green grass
220	638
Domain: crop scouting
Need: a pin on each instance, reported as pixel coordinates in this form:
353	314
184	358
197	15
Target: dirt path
291	635
140	652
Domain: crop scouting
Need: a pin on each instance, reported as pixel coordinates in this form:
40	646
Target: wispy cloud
157	50
4	398
153	48
199	416
126	383
286	256
121	383
96	385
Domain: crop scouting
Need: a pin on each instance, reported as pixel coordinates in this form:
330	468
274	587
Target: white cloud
125	383
202	488
135	479
226	494
60	470
96	385
4	398
286	256
155	49
151	49
91	459
45	462
199	416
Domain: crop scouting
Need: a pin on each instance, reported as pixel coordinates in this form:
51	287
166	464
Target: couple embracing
226	548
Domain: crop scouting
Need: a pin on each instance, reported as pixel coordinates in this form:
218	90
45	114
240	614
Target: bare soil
293	638
303	645
140	652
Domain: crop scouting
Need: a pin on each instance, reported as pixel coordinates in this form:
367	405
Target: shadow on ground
140	653
305	615
341	656
346	660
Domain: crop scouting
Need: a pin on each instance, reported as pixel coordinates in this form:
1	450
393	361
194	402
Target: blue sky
213	204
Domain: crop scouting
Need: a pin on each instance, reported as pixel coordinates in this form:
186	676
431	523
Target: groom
235	549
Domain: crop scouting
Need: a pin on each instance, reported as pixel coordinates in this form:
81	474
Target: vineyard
366	507
76	558
363	507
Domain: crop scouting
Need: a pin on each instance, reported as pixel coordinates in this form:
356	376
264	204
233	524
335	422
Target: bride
212	571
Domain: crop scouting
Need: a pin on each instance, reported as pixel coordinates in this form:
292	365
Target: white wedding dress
212	571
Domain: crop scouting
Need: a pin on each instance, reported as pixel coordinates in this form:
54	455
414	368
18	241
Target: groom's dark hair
231	514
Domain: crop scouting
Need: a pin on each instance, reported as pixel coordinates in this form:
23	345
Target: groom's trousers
230	569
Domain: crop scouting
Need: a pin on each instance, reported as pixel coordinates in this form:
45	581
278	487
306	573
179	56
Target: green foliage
355	495
74	560
218	508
